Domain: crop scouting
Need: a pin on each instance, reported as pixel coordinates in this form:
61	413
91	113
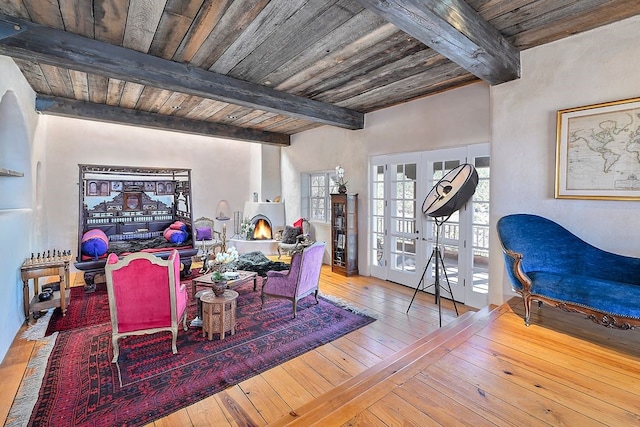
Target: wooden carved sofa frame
120	220
547	263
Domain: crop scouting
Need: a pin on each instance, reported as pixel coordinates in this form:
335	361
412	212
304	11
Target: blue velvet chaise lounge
547	263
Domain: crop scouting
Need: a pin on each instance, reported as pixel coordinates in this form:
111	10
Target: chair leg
116	349
279	253
184	321
174	339
316	295
527	308
295	308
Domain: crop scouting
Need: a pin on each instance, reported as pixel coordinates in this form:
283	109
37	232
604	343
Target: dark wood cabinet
344	234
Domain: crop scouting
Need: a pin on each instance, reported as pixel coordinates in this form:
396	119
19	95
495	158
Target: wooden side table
35	270
219	313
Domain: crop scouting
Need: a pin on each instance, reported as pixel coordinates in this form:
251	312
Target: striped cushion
175	236
94	243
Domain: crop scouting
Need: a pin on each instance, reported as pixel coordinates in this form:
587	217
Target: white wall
19	151
597	66
450	119
265	172
220	169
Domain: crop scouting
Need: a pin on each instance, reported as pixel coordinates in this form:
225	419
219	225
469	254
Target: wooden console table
57	266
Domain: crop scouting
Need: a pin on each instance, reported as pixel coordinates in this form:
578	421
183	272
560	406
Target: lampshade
451	192
223	211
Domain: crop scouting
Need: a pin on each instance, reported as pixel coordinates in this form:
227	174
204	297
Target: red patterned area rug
81	386
85	309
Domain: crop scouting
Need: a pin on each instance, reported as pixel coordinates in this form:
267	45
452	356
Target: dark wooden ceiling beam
457	31
56	106
54	47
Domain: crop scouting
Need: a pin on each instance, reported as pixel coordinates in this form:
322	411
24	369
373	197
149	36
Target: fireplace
273	213
262	228
268	218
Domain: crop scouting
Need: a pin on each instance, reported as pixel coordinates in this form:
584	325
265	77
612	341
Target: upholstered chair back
145	295
300	280
310	266
205	236
548	246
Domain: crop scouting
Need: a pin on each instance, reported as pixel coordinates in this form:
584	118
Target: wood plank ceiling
263	70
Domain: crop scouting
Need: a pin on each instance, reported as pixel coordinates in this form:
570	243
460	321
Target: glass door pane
378	248
377	217
403	233
477	293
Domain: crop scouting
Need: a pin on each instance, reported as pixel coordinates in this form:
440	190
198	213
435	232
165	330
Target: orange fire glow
262	230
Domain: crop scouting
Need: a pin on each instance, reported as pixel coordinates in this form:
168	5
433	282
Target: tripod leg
448	283
421	281
438	299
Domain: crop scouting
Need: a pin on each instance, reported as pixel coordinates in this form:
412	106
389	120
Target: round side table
219	313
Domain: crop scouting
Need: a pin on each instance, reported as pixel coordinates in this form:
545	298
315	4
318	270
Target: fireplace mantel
267	247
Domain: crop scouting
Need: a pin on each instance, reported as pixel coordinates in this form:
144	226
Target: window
319	188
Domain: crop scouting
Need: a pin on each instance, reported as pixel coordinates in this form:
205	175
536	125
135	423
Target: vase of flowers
223	262
227	257
339	180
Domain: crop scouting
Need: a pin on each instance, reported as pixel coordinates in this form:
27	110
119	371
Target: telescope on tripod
445	198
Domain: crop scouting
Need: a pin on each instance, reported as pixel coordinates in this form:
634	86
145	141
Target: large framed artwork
598	151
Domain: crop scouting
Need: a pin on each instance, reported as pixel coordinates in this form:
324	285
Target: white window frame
330	187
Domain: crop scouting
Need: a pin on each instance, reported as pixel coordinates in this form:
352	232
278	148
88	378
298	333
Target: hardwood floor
483	368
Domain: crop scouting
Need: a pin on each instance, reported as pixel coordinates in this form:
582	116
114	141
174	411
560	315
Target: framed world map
598	151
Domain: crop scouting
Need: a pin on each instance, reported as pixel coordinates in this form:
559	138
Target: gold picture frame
598	151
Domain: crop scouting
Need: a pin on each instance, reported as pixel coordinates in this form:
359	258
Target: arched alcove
14	154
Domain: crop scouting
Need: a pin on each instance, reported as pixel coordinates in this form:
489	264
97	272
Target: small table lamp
222	214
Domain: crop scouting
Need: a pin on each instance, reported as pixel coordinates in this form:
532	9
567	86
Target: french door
395	215
403	238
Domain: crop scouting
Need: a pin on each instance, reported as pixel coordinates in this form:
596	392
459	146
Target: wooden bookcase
344	234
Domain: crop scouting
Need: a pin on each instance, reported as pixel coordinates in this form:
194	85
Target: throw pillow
290	233
203	233
179	225
94	243
175	236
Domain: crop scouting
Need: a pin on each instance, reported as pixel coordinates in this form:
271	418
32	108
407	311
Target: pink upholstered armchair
145	296
300	280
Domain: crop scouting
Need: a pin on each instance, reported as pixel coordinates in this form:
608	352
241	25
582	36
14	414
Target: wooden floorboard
484	368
